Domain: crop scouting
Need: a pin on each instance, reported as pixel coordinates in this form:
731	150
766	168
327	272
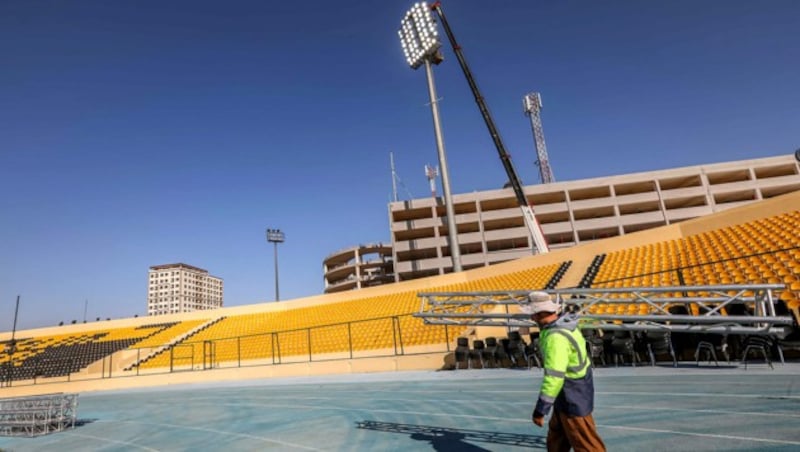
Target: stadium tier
360	324
60	355
756	243
761	251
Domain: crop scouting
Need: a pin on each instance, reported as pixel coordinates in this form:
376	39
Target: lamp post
11	347
275	236
421	44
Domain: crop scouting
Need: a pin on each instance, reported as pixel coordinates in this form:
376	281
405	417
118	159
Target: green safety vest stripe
582	358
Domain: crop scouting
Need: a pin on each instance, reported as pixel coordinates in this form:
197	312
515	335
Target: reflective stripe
582	359
546	398
554	373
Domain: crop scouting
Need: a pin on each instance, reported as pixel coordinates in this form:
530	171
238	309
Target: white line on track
706	394
703	435
221	432
529	391
512	420
528	403
113	441
691	410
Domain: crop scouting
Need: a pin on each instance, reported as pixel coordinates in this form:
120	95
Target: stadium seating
60	355
380	321
361	324
763	251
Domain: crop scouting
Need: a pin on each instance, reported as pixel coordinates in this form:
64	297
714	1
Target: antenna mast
432	173
394	177
532	104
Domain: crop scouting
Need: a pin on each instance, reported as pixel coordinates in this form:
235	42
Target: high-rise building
180	287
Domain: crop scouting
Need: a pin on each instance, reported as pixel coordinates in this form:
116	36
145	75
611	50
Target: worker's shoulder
556	335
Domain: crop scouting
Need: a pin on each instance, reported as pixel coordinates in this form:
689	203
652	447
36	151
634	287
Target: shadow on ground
445	439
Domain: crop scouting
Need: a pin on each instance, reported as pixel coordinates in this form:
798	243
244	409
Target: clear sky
136	133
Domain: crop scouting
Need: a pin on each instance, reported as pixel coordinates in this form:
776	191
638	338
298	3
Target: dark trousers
573	432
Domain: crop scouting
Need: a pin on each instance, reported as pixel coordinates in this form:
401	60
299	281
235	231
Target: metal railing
369	338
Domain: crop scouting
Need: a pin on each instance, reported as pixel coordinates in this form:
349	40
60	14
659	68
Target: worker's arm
556	359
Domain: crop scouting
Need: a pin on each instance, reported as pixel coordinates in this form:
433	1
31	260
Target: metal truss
724	309
38	415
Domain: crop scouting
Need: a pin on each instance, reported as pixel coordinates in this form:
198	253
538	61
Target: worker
567	386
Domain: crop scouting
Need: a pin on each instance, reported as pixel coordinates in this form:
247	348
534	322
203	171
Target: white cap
538	301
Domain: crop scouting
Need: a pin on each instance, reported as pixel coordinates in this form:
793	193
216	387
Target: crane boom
527	212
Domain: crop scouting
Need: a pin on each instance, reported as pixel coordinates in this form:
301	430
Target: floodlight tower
421	44
532	105
275	236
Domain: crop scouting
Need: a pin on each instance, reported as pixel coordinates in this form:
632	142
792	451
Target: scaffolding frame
757	301
38	415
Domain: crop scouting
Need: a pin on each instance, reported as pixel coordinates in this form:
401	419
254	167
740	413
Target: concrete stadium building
358	267
491	227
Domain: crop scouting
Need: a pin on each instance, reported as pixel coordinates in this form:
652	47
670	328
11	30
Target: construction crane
539	243
532	105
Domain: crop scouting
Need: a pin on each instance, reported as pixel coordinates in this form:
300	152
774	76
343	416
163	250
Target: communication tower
432	173
532	104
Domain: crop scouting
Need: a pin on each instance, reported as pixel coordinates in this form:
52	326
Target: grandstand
374	329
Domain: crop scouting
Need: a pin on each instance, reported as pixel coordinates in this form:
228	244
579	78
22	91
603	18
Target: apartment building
491	228
180	287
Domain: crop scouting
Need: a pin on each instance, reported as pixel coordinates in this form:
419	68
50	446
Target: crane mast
532	224
532	104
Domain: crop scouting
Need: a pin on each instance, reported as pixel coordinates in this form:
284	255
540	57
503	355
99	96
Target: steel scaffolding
723	309
38	415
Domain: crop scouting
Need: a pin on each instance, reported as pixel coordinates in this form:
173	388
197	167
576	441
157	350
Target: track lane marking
525	421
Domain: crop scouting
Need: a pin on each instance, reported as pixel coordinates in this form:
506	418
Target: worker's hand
538	419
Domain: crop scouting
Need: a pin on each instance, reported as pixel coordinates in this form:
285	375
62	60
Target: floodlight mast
539	242
420	42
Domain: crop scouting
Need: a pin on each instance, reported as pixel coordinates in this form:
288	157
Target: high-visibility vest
567	369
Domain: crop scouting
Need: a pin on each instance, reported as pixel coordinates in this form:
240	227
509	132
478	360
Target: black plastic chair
500	355
462	351
623	344
594	346
476	354
533	353
762	344
516	349
660	342
491	354
709	344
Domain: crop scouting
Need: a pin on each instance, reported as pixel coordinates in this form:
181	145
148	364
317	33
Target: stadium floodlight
276	236
420	42
418	36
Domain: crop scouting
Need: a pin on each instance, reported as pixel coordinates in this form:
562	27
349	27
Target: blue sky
150	132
